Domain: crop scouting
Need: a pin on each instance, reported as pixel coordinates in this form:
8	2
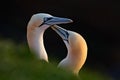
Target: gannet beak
63	33
56	20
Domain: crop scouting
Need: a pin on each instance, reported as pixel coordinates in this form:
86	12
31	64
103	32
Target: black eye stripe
45	20
67	35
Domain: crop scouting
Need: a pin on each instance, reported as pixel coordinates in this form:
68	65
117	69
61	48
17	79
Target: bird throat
36	43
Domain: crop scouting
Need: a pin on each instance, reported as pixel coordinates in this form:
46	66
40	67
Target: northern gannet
77	49
36	28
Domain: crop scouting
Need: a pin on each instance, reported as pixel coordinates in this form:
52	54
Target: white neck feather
36	43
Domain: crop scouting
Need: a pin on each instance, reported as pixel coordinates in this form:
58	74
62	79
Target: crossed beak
63	33
53	21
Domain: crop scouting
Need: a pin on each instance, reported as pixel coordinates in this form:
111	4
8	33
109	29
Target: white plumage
77	49
75	43
35	31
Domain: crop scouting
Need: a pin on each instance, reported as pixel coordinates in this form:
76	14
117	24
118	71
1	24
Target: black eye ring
67	35
45	20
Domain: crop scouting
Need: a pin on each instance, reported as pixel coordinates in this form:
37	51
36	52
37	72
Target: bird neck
36	43
77	54
78	47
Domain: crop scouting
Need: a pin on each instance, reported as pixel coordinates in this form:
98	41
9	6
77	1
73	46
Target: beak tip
70	20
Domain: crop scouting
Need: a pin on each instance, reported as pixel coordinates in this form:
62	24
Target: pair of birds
75	43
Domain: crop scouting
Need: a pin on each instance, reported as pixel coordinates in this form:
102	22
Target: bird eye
47	19
66	35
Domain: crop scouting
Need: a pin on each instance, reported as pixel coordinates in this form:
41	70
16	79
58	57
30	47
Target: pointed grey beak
63	33
56	20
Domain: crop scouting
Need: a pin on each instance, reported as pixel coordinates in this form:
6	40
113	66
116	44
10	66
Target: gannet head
35	30
40	19
70	38
77	49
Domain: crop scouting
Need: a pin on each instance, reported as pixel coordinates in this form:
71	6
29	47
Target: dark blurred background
96	20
